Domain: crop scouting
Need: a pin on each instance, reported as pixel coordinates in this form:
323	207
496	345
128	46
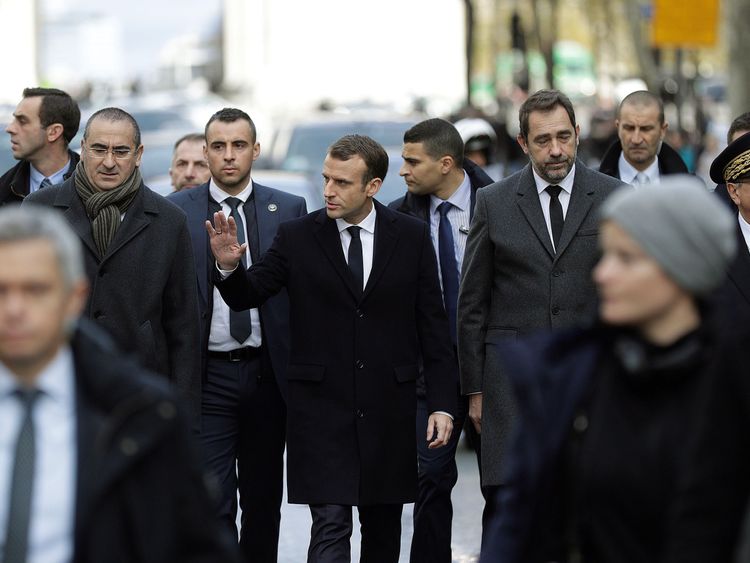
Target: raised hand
223	238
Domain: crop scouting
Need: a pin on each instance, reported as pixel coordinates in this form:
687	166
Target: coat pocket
305	372
498	334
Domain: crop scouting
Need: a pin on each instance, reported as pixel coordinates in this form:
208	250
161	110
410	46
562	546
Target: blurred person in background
529	254
245	353
137	253
44	123
740	126
602	449
441	188
189	167
480	145
640	155
96	459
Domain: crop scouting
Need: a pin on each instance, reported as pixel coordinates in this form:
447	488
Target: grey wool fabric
682	226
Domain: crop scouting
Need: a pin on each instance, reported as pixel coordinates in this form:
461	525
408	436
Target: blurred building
18	45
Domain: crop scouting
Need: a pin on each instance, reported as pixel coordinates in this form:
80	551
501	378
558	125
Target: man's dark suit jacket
354	355
670	161
14	183
143	289
272	207
141	494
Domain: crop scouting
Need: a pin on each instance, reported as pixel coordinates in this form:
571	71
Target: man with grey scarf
138	253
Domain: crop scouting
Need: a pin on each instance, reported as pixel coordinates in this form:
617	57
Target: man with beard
43	124
137	252
527	266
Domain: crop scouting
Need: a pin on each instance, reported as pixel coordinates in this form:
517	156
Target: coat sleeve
439	362
249	289
181	321
474	299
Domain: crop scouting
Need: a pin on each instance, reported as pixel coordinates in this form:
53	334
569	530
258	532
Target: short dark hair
372	152
439	138
57	107
230	115
739	123
544	101
115	114
643	98
190	137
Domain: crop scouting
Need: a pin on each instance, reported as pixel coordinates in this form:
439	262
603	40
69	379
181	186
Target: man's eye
98	151
120	153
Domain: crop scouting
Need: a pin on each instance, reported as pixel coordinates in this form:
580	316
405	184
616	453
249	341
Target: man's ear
54	132
522	142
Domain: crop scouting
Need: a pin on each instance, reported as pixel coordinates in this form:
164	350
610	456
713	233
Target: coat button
360	414
98	314
555	274
555	310
581	423
359	364
166	410
360	313
128	446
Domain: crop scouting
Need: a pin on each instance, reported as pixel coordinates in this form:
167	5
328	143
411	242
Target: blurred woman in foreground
603	446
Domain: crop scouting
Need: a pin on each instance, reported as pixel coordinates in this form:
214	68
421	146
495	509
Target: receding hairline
642	99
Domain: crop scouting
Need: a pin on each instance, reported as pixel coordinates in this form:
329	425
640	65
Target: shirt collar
54	178
56	380
566	183
628	172
367	224
745	229
220	195
461	198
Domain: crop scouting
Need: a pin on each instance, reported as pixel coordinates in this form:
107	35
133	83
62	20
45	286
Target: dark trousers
331	531
433	510
489	492
243	432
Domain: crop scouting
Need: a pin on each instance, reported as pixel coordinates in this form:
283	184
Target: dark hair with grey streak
115	114
192	138
57	107
642	98
544	101
739	123
230	115
439	138
36	222
372	152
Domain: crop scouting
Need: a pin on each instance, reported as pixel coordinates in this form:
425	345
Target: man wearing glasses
138	255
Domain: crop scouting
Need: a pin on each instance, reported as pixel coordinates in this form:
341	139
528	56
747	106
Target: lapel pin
464	229
272	207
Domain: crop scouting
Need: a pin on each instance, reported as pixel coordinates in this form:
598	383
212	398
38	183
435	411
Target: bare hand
224	244
475	411
440	427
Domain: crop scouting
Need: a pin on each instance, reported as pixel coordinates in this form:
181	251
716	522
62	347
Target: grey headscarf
682	226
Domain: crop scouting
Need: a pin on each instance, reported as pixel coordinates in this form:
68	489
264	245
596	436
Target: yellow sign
685	23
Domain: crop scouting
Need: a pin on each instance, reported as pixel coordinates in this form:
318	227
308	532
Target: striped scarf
105	207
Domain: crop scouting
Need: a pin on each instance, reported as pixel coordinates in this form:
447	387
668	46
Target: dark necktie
448	267
22	481
354	258
555	213
240	326
45	183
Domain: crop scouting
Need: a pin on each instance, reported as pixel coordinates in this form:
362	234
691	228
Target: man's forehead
28	107
229	131
190	147
632	110
100	129
553	121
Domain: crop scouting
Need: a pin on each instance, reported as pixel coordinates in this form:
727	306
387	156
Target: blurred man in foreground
44	123
96	460
189	168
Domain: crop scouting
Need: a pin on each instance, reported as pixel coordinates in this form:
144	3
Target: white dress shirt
36	177
460	217
544	198
366	235
628	172
219	338
53	498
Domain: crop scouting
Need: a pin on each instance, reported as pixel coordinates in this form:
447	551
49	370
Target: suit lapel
528	200
327	235
385	241
199	209
581	200
739	272
75	213
267	217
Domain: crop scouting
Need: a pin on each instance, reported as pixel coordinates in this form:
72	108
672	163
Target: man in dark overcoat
138	254
365	306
